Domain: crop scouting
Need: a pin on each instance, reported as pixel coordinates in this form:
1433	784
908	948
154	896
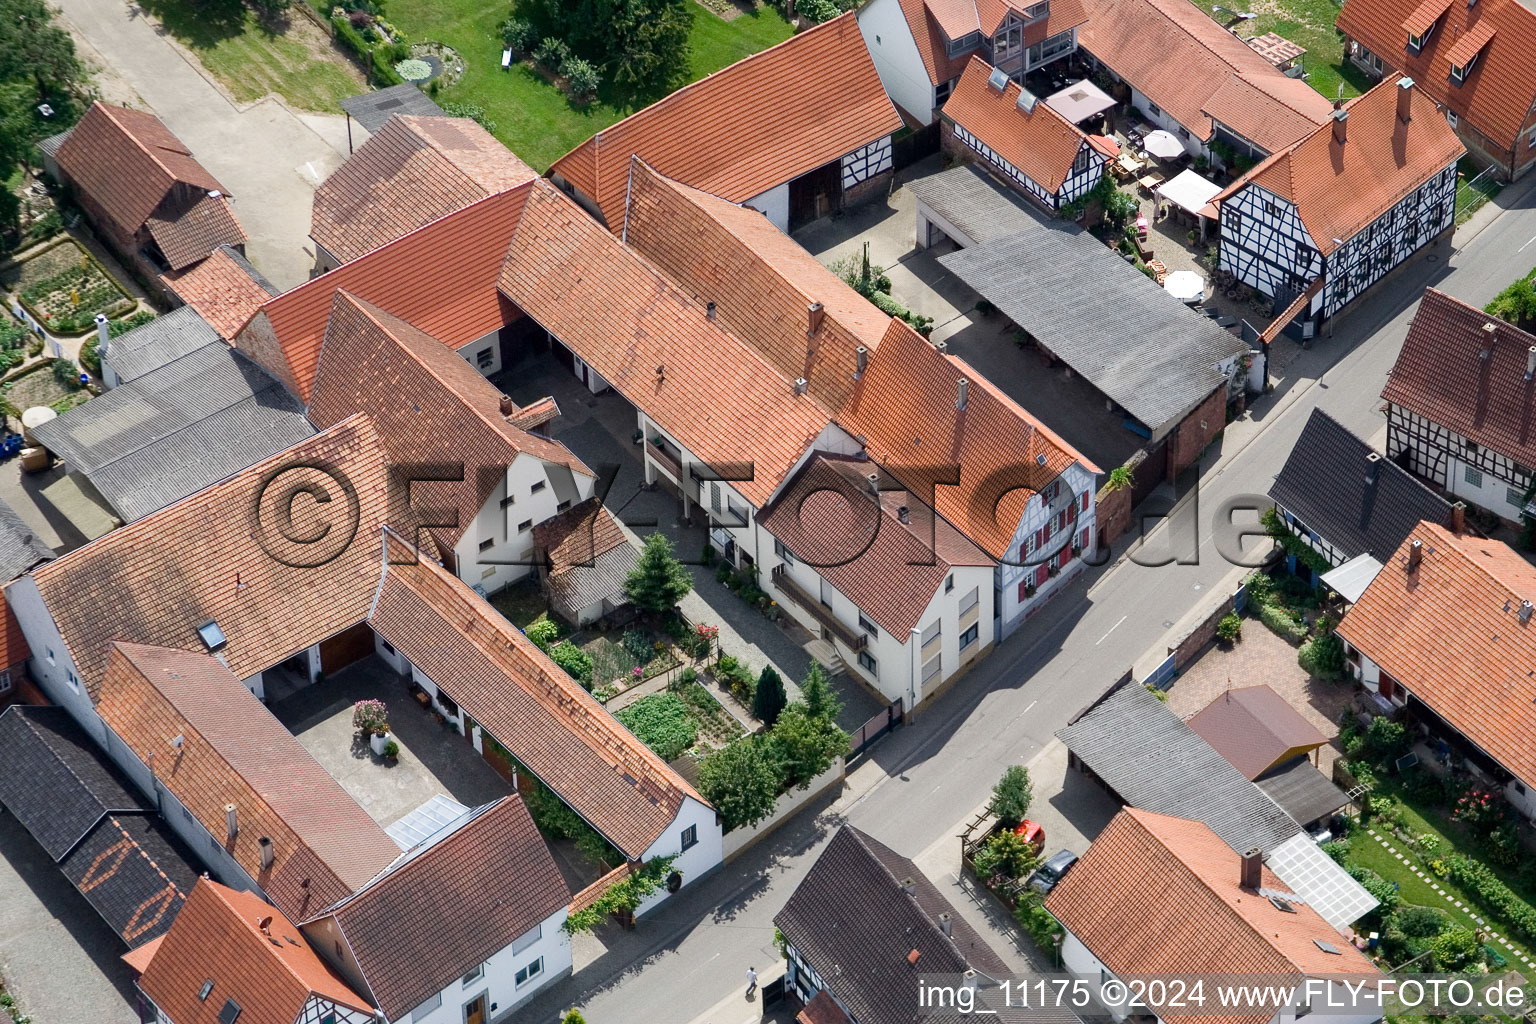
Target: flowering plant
370	716
637	672
1480	808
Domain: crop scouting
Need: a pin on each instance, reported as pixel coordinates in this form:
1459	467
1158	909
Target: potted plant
371	717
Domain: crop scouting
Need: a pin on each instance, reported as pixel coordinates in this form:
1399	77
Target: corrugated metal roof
1150	353
158	342
177	429
20	548
1304	792
1156	762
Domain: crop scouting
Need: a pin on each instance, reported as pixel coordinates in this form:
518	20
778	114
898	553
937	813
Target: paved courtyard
433	758
1263	657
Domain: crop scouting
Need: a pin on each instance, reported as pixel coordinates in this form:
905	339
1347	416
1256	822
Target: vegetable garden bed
64	288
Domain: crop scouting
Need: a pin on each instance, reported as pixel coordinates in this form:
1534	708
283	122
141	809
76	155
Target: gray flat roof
177	429
1155	761
1148	352
373	110
163	339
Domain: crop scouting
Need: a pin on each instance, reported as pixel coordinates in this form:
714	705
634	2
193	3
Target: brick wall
1189	438
1114	513
868	189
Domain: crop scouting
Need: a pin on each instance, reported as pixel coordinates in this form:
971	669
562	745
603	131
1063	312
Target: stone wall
1196	432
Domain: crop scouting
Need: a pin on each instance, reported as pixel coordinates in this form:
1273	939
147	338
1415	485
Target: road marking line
1528	241
1111	630
1031	704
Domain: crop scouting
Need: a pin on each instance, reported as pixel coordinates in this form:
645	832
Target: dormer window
1034	12
1416	42
964	44
213	636
1459	71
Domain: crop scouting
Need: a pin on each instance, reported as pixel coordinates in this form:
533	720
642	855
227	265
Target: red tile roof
489	874
440	279
127	161
935	22
1450	631
544	718
1340	188
577	536
756	124
1471	44
1196	919
217	937
222	291
932	45
1499	91
1041	143
905	407
428	403
155	581
1423	16
628	320
189	224
1441	375
823	1009
1179	58
233	751
829	519
761	281
1255	729
411	172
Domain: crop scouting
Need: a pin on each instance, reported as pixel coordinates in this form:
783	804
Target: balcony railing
852	639
665	460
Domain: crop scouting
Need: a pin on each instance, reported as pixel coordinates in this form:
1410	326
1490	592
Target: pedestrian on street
751	981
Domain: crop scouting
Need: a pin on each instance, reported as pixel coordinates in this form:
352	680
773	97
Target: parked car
1048	874
1033	833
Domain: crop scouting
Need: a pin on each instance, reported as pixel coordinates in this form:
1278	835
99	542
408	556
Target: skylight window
230	1013
202	993
1327	947
213	636
1282	905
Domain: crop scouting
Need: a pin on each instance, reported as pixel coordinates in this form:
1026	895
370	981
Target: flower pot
376	743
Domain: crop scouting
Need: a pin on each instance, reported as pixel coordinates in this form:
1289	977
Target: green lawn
1469	199
253	60
1309	24
533	117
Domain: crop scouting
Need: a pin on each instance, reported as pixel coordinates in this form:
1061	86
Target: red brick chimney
1339	117
1404	99
1459	518
1253	865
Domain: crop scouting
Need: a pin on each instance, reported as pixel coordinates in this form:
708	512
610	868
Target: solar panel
1319	881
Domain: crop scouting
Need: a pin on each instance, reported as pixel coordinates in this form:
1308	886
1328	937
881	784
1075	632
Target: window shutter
1022	584
1040	537
1064	557
1085	501
1042	573
1082	539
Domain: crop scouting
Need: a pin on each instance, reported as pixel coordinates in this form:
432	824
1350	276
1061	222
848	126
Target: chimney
1415	554
860	361
963	397
266	852
1525	612
103	335
903	514
1253	862
907	885
947	924
709	310
800	385
1339	117
1530	362
942	347
874	487
231	826
1459	518
1404	98
506	405
814	314
1372	468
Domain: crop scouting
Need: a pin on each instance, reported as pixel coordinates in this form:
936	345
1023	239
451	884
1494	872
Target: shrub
519	35
359	19
702	643
552	52
1481	810
1385	739
1281	622
769	698
543	632
741	781
1421	922
573	1017
1005	856
1119	479
1496	898
661	721
1039	922
1384	891
816	691
576	662
473	111
391	749
687	677
1424	787
581	75
90	355
1455	948
1260	588
370	716
1503	845
1338	849
116	328
1011	796
66	372
1323	656
1230	629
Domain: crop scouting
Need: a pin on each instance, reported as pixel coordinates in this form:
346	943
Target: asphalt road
687	960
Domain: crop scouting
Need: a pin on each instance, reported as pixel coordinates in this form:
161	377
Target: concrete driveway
267	157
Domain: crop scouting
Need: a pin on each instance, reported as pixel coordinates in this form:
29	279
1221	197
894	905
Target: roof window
202	993
213	636
230	1013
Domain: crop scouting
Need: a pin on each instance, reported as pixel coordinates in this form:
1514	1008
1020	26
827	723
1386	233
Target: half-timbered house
922	47
1019	138
1460	405
1346	204
1476	60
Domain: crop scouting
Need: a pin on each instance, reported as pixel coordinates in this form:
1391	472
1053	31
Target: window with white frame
970	636
867	626
483	359
528	973
783	552
527	939
1451	118
867	663
473	975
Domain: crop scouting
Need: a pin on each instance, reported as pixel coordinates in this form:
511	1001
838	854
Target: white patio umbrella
1185	285
1163	145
